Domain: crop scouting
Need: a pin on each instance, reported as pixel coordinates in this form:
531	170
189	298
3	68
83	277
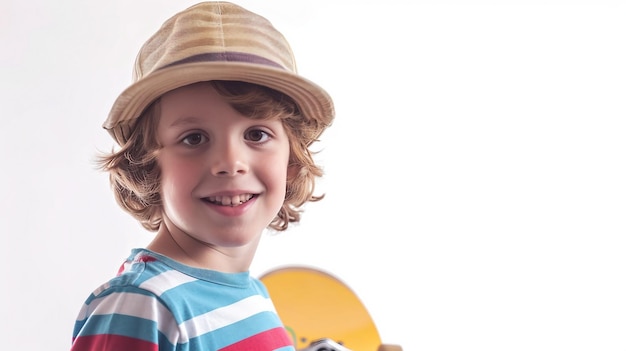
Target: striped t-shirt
158	304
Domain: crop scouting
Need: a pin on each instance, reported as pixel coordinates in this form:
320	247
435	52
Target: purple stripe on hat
226	57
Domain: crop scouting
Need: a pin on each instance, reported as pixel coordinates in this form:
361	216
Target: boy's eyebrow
184	121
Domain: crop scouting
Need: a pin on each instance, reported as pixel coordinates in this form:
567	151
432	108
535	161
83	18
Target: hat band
225	57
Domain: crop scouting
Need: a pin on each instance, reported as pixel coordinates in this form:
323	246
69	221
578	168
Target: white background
475	174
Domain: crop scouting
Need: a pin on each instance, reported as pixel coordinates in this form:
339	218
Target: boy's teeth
230	200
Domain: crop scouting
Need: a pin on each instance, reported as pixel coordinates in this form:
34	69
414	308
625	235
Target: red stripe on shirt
109	342
268	340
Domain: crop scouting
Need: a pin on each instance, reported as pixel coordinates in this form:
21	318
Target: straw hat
217	41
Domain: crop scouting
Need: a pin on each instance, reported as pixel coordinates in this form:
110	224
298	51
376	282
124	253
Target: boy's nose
229	159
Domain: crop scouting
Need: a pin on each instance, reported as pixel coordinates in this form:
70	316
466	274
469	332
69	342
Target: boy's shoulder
133	272
152	273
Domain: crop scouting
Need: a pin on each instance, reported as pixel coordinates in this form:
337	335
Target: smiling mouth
231	201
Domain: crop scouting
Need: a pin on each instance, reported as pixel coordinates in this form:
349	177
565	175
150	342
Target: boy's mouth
231	201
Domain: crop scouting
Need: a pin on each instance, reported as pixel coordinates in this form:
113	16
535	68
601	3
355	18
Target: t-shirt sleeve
124	318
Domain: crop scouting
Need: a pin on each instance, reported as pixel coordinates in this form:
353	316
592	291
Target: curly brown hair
135	176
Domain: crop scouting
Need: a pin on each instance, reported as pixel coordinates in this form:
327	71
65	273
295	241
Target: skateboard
320	312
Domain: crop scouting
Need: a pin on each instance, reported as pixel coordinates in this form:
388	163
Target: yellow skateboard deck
315	305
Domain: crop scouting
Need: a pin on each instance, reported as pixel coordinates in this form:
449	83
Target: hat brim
314	102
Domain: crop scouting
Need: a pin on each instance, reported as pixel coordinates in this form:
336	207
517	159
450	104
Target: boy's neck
187	250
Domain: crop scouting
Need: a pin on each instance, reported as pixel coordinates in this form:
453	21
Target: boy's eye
194	139
257	135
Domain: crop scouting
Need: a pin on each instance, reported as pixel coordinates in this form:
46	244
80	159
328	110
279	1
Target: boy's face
223	175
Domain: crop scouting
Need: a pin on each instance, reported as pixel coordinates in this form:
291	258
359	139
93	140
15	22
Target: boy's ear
292	172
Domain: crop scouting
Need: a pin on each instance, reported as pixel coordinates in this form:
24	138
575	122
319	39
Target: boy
214	135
